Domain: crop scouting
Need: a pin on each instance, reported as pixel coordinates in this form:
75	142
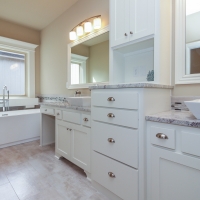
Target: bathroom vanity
173	156
70	130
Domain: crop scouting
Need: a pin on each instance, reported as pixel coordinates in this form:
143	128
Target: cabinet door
119	25
63	141
81	147
174	176
142	18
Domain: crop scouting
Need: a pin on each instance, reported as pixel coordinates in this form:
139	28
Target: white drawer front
116	142
168	142
190	143
71	117
127	118
115	99
48	111
58	114
86	120
125	183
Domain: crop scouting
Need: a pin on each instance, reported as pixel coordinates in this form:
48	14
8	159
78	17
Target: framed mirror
187	42
89	60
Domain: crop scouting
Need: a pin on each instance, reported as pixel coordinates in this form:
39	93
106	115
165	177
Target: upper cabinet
131	20
140	41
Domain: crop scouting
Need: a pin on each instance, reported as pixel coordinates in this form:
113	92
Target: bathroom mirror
89	60
187	40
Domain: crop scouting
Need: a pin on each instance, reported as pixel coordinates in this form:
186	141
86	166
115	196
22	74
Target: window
12	72
78	69
17	67
75	73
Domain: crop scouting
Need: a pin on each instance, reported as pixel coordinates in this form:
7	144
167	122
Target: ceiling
36	14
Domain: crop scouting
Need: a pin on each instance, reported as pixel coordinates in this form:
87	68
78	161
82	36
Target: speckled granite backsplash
177	103
52	98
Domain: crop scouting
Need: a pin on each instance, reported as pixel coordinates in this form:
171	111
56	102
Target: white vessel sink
194	107
80	101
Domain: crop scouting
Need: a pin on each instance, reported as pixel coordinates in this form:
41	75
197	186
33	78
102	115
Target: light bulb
72	35
79	30
88	27
97	23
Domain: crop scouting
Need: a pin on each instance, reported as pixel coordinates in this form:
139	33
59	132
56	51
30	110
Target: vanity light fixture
85	26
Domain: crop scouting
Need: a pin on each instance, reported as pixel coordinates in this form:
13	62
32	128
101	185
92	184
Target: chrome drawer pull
45	109
110	99
111	140
58	114
162	136
111	115
85	120
111	175
67	129
70	129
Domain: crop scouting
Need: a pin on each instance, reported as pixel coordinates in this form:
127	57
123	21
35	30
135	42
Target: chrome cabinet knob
125	34
85	120
131	33
67	129
162	136
110	99
45	109
111	175
111	115
111	140
58	114
70	129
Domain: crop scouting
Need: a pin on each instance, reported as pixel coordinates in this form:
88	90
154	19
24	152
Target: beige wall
22	33
99	63
55	39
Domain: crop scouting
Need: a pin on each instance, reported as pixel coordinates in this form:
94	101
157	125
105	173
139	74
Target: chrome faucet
5	101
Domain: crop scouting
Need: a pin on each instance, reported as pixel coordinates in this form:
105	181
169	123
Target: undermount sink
84	101
194	107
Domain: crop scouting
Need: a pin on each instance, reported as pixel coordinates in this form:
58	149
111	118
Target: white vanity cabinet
131	20
118	143
173	164
71	132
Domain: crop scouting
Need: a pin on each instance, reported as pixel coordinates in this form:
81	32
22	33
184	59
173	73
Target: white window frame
28	49
81	60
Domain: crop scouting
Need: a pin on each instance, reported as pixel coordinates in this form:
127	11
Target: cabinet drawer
127	118
86	121
48	111
71	117
169	137
58	114
115	99
125	182
116	142
190	143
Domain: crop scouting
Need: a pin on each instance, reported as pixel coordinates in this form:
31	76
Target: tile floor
31	172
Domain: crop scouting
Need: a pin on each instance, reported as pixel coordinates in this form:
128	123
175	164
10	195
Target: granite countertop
131	85
65	105
182	118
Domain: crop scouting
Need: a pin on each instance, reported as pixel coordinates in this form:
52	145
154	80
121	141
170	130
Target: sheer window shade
12	72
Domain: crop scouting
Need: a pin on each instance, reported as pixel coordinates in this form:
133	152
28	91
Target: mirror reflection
90	61
192	37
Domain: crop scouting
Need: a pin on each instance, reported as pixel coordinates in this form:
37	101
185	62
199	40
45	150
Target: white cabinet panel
81	147
115	99
72	117
63	141
142	18
169	142
190	143
174	176
120	21
124	148
125	182
127	118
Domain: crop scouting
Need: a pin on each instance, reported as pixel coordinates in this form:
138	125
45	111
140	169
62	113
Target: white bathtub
19	127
